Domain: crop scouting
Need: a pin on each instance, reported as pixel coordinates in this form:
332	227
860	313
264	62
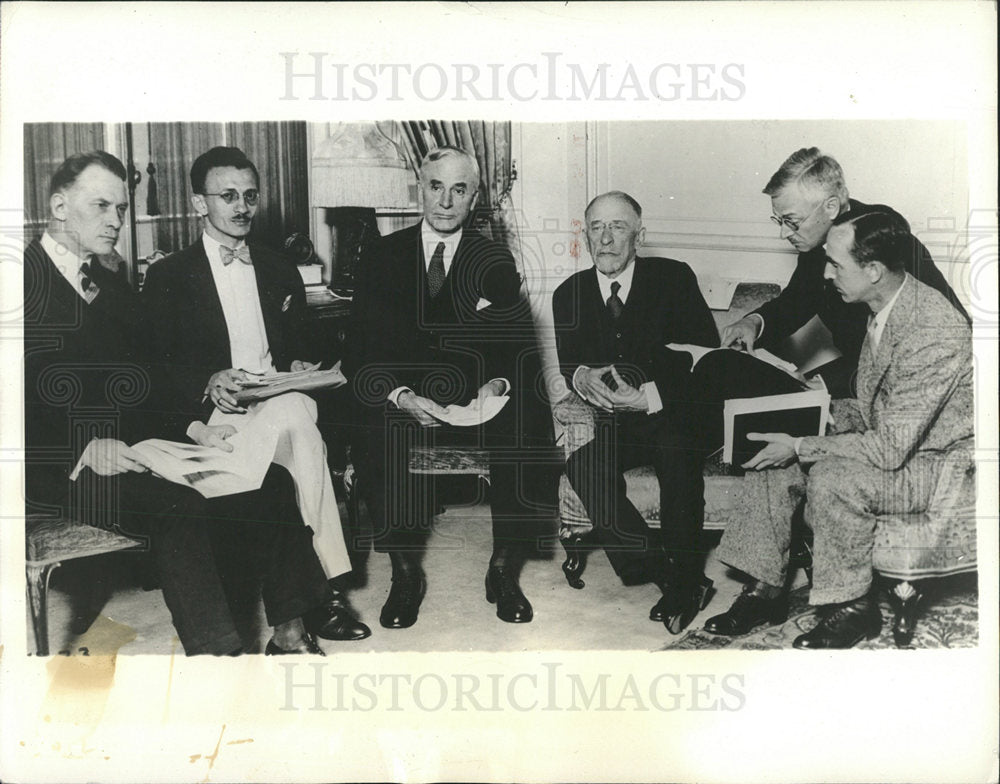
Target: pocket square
287	303
483	303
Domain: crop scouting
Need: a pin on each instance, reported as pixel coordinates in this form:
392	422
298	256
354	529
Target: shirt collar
882	316
624	278
66	261
429	239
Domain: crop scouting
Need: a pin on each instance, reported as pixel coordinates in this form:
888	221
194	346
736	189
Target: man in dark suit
224	311
808	193
87	395
612	325
438	319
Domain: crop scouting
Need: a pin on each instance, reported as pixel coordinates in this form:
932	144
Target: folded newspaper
474	414
263	387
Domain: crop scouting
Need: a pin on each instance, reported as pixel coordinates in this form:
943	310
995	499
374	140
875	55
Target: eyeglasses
231	195
793	225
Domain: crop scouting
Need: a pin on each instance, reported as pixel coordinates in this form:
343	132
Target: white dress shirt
878	321
653	401
236	284
68	264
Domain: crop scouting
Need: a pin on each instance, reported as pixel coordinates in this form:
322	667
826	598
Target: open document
211	471
263	387
474	414
698	352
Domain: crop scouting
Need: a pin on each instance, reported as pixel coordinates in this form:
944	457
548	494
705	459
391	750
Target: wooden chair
48	543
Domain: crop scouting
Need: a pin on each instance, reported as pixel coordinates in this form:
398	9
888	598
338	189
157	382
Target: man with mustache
438	319
89	393
905	445
612	323
225	311
808	193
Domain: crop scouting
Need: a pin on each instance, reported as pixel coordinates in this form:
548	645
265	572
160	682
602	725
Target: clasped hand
428	413
590	382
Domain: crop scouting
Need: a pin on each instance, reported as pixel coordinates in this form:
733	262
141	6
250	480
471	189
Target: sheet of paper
471	414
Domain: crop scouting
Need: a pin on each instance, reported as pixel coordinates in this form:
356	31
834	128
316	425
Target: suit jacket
807	294
915	392
84	373
664	306
190	338
443	349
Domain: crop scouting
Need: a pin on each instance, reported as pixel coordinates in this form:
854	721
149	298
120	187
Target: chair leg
576	559
38	588
904	599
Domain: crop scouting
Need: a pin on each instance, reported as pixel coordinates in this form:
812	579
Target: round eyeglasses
231	195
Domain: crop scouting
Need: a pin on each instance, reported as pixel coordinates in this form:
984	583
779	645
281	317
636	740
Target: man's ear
199	204
640	236
874	270
475	200
57	205
831	206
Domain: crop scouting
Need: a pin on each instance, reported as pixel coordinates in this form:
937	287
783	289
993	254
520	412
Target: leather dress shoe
333	620
678	606
502	588
307	644
749	611
401	607
844	626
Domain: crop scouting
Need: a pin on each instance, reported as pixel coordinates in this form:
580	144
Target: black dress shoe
333	620
306	645
401	608
678	606
844	626
749	611
502	588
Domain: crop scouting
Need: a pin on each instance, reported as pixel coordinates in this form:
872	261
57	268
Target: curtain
173	148
490	142
46	145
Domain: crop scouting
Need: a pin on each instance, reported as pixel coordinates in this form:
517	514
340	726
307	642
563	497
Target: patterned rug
948	618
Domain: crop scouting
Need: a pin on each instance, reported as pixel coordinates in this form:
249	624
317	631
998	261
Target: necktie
241	253
615	305
435	272
872	336
90	288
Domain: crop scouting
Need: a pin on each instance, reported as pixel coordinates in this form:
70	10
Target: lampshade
359	166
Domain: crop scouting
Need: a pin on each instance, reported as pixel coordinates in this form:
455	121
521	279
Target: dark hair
636	207
812	169
219	157
74	165
879	236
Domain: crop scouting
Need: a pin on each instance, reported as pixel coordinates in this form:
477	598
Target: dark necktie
615	305
87	279
435	272
228	254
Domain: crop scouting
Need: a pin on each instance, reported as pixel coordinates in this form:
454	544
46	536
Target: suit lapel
204	292
270	296
873	365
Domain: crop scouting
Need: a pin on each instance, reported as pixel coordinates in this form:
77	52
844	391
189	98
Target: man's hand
299	365
420	408
625	397
589	383
489	389
742	332
779	452
221	386
108	456
212	435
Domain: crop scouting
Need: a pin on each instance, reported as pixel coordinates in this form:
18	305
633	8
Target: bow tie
241	253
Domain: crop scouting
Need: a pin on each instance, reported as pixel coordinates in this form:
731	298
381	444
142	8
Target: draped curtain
490	142
46	145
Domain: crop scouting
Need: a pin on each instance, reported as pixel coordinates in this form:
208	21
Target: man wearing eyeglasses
225	311
808	193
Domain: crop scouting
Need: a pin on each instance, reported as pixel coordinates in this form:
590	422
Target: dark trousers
596	471
211	555
523	479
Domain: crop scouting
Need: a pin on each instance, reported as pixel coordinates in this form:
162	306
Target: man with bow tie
89	392
904	446
437	320
224	311
612	324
